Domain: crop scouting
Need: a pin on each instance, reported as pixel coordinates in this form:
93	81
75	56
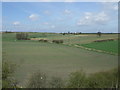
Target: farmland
108	46
58	59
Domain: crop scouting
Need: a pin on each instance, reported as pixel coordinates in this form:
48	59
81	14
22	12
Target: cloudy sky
60	16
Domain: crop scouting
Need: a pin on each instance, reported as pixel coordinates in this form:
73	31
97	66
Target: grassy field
108	46
55	59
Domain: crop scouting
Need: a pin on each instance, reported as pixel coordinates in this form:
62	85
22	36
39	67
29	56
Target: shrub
56	82
108	79
104	40
8	68
57	41
43	40
77	80
37	80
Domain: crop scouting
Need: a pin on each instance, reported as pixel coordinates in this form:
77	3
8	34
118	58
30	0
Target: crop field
58	59
108	46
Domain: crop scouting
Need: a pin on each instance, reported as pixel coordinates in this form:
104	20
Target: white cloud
93	18
82	23
34	17
16	23
115	7
101	17
110	0
87	19
88	15
109	6
69	0
66	11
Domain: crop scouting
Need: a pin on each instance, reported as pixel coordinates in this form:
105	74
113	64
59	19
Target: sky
86	17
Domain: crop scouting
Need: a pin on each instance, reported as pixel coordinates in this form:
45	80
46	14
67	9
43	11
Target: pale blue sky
60	16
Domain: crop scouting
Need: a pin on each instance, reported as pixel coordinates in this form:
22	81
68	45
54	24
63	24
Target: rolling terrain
55	59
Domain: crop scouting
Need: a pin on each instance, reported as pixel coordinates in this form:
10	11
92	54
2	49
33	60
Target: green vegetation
56	82
21	36
79	79
8	70
37	80
108	46
55	59
104	79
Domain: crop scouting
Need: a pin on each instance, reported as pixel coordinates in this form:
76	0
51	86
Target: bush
22	36
8	69
56	82
57	41
43	40
8	81
107	79
77	80
104	40
37	80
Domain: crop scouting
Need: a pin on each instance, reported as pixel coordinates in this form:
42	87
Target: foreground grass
79	79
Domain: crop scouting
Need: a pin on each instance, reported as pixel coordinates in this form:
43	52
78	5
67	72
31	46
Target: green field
108	46
56	59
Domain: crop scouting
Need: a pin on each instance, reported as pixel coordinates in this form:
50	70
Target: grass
55	59
108	46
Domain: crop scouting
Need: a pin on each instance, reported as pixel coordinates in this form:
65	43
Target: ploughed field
58	59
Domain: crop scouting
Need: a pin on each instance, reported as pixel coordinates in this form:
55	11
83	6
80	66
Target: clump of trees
73	33
99	34
22	36
43	40
57	41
